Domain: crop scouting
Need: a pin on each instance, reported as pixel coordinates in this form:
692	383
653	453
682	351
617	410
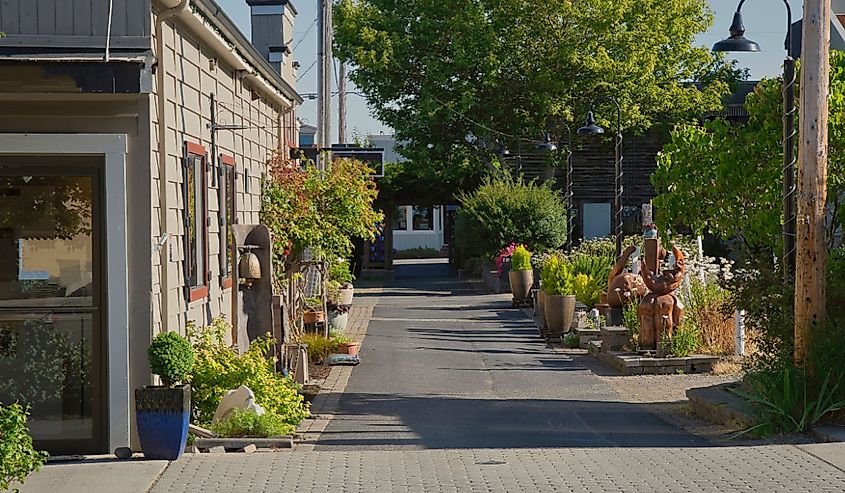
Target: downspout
164	205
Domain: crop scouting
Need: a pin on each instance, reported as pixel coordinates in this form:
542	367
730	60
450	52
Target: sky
765	22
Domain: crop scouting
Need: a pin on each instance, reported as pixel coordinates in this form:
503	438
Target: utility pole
324	76
812	176
341	103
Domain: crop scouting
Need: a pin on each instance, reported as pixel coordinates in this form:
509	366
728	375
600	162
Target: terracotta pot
521	282
313	316
346	295
350	348
559	312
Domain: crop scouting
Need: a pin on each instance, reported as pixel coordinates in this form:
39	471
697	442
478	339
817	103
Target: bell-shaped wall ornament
249	266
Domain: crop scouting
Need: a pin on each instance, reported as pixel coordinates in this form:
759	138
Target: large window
196	221
400	218
228	216
423	218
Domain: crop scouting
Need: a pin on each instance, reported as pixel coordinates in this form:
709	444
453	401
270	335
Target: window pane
195	230
46	250
400	219
423	218
229	176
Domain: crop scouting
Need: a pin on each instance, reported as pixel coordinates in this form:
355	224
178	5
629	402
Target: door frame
113	148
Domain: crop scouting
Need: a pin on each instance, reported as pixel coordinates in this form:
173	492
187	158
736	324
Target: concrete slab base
719	405
112	475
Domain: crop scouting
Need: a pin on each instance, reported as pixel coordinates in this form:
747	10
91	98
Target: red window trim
192	149
229	160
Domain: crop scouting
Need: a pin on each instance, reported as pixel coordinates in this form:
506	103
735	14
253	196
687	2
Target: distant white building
414	226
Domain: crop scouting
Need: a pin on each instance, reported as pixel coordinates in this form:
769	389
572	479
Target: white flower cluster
710	269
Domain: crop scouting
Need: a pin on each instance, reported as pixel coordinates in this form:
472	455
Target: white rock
240	398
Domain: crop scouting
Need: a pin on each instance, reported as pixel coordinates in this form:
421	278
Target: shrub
245	423
557	277
632	322
708	308
219	368
684	341
17	457
512	210
571	341
594	266
587	289
520	258
171	357
340	273
319	347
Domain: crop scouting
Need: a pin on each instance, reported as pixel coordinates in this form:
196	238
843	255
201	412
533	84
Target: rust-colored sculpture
621	285
660	311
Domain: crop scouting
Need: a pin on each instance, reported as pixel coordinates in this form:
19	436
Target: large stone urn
541	307
559	310
521	282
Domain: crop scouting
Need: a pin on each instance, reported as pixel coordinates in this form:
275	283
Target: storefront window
423	218
400	219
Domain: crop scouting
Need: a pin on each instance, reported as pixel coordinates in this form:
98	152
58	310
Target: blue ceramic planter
162	415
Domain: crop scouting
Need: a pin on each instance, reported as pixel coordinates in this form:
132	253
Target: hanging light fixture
590	127
547	144
737	41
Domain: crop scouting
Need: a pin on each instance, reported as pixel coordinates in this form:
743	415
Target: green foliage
521	258
504	211
171	357
787	400
319	346
571	341
595	266
219	368
307	207
588	289
727	178
245	423
340	272
632	322
684	341
557	277
17	457
709	309
551	58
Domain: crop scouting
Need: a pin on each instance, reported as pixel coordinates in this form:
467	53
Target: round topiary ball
171	357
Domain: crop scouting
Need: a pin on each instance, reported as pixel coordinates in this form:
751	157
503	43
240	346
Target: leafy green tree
449	77
728	178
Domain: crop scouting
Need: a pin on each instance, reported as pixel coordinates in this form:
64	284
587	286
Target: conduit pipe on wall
161	115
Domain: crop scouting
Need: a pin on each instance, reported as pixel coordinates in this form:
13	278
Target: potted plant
313	311
558	284
347	345
521	275
162	411
339	273
338	312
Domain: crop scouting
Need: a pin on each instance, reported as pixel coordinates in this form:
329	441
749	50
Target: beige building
129	146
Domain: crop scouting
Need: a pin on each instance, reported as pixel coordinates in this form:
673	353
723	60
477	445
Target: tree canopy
728	178
450	77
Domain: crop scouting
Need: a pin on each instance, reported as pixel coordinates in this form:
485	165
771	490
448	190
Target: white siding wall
190	79
409	238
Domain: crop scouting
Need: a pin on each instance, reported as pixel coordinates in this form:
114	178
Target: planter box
585	336
613	338
239	443
162	415
635	364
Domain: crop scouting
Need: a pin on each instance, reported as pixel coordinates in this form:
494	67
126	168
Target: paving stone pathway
456	393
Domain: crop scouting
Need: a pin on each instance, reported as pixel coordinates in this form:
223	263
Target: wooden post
812	176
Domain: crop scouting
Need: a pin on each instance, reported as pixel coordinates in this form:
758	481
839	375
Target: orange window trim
201	291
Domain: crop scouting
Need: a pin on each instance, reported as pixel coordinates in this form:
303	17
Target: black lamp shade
590	127
737	41
547	144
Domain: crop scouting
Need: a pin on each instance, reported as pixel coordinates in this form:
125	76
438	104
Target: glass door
51	343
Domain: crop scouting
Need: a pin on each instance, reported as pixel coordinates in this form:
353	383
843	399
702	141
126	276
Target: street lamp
549	146
738	42
590	128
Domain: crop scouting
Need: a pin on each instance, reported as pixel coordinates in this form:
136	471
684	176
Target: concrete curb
718	405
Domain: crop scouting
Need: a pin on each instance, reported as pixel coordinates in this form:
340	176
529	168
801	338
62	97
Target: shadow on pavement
443	422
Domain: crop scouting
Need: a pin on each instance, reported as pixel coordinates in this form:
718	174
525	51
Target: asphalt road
447	367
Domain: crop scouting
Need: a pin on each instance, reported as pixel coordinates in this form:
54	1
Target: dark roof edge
274	2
